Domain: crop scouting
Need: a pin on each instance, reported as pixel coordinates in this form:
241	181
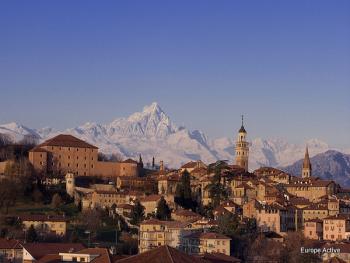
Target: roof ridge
167	249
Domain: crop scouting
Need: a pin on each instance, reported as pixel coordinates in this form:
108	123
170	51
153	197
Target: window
77	149
41	155
77	165
82	259
92	166
68	164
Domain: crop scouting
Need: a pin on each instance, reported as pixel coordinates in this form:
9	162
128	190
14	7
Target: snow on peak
151	132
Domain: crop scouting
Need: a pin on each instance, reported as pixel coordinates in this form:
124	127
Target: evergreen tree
217	191
137	214
163	210
183	193
56	201
32	236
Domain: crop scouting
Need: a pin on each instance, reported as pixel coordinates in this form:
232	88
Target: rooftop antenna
242	119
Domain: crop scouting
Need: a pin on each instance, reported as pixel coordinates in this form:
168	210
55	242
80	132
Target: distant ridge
152	133
330	165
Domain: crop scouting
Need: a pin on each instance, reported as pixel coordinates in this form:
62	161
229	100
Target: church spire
242	129
307	169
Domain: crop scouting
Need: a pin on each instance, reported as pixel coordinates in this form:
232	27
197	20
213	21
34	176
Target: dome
242	129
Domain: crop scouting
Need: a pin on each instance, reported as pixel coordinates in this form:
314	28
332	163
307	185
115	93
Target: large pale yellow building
155	233
209	242
45	223
66	153
336	227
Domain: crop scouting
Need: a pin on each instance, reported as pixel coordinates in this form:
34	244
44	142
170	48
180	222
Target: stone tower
70	184
161	166
307	170
242	148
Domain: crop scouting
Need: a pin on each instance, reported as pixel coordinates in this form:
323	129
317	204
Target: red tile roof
43	218
162	254
219	258
151	198
38	250
6	243
66	140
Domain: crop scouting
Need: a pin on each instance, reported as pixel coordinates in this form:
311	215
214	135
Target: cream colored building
336	227
67	154
278	218
45	223
208	242
313	229
11	250
154	233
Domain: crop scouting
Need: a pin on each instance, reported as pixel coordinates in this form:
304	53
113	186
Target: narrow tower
306	171
242	148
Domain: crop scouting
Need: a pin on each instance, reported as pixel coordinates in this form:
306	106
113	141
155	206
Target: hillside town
64	201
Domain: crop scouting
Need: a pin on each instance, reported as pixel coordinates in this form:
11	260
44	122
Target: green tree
8	193
217	191
31	236
163	210
137	213
56	201
183	193
37	195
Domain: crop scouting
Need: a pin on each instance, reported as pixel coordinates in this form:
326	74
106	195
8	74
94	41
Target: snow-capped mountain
152	133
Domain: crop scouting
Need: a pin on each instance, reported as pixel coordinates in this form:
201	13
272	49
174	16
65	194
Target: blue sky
284	64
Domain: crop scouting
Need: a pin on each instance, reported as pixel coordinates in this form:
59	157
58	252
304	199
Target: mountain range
152	133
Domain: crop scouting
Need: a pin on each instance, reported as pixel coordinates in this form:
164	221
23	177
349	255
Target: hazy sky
284	64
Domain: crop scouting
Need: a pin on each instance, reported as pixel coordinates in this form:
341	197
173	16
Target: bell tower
307	169
242	148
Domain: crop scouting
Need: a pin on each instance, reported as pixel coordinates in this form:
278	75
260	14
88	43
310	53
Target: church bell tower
242	148
307	169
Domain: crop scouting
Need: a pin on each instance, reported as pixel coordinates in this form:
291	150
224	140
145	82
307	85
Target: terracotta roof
244	185
162	254
66	140
103	257
184	212
6	243
206	235
38	250
50	258
343	246
125	206
101	253
219	258
43	218
38	149
192	164
315	220
338	217
169	224
221	211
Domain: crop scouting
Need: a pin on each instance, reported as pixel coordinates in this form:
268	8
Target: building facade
67	154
